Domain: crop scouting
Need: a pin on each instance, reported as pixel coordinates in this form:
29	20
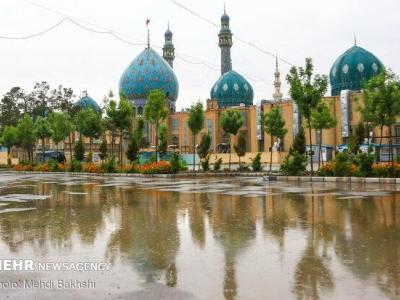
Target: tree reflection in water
148	236
234	226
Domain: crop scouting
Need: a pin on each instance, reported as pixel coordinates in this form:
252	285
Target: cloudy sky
83	60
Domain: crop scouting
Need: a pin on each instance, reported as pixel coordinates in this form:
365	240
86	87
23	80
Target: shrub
91	168
53	164
75	166
22	167
218	164
205	163
79	150
299	143
162	167
326	170
43	168
243	167
343	165
386	169
89	158
128	169
109	166
294	164
28	168
103	150
256	163
177	163
364	161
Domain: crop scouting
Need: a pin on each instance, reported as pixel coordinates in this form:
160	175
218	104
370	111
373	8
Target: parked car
51	155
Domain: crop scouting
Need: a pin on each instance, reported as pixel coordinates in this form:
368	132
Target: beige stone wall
277	157
3	159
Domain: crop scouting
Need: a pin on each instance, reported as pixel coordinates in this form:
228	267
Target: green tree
156	111
256	163
79	151
62	99
42	131
89	123
307	91
26	135
381	102
231	122
132	153
62	127
9	109
274	126
321	118
123	122
357	137
135	141
163	140
103	149
9	139
196	124
240	148
41	99
204	147
111	121
299	143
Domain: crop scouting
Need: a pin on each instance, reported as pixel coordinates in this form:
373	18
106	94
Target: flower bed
21	167
386	169
91	168
43	168
161	167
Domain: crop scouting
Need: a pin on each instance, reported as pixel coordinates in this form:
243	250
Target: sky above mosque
85	60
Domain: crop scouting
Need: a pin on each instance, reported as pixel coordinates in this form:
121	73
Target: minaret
169	49
225	43
277	84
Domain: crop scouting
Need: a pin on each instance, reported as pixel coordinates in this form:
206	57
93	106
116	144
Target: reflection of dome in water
232	89
147	72
352	68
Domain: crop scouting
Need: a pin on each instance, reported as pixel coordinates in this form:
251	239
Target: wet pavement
217	238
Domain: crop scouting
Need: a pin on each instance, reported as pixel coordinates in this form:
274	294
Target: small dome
86	102
168	34
352	68
147	72
225	18
232	89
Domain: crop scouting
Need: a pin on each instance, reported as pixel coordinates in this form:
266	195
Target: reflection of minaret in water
225	43
168	48
230	285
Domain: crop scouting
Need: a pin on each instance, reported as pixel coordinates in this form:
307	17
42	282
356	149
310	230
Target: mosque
149	71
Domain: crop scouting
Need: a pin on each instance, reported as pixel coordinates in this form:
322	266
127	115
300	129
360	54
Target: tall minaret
277	84
225	43
169	49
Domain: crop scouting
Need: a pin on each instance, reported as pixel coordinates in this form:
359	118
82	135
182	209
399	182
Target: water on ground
214	238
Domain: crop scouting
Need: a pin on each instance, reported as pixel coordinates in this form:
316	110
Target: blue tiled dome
86	102
232	89
352	68
147	72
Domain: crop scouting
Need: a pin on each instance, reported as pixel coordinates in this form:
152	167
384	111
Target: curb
265	176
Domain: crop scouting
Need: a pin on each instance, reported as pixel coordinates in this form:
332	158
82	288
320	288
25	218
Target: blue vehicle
51	155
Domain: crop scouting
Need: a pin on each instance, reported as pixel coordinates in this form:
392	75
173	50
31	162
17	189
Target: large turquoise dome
86	102
232	89
147	72
352	68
